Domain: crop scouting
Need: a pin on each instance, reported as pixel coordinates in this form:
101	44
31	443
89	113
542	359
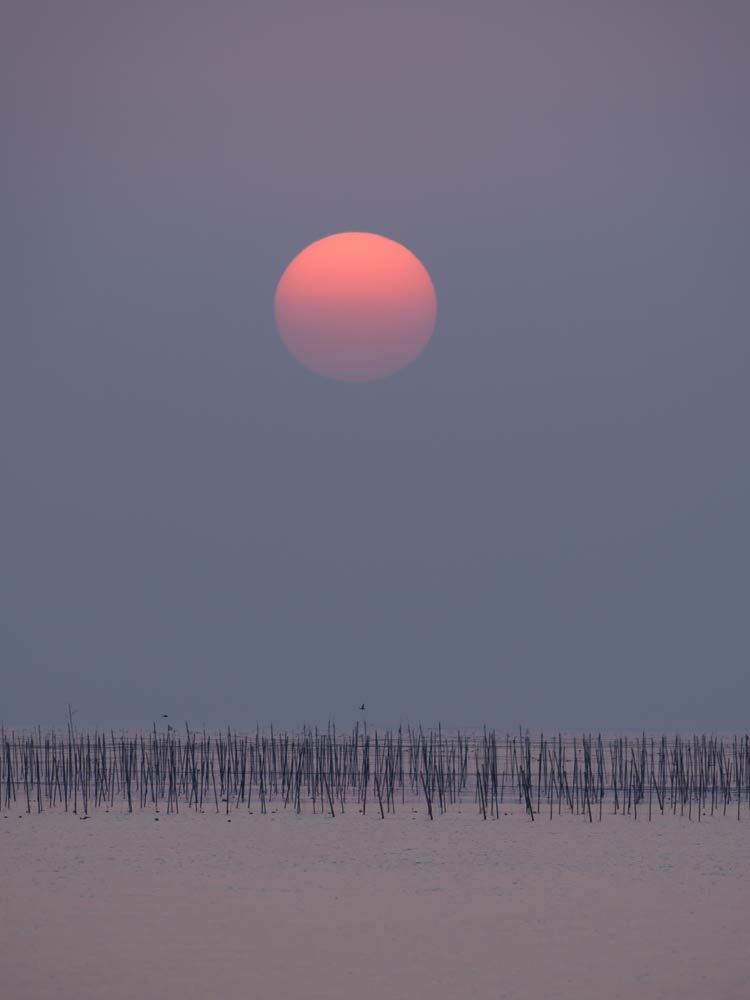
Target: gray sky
543	521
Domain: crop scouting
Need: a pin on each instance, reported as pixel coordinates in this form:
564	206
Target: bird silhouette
362	707
165	716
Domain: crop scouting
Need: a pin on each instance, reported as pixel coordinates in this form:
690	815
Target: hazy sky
544	521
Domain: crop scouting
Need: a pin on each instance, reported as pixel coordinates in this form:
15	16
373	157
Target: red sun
355	306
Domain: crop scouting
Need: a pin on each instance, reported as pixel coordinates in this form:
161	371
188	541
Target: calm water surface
120	907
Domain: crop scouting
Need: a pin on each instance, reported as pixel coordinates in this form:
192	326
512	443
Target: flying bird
362	707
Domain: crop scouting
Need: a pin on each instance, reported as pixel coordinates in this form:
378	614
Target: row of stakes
328	772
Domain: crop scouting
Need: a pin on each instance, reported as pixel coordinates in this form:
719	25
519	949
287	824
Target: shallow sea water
120	907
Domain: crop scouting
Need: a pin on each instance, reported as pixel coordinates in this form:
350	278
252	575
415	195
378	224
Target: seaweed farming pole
82	771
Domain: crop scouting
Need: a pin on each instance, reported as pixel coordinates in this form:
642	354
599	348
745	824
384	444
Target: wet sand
119	907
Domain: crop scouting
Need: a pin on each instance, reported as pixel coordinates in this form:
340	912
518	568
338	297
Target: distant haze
544	520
